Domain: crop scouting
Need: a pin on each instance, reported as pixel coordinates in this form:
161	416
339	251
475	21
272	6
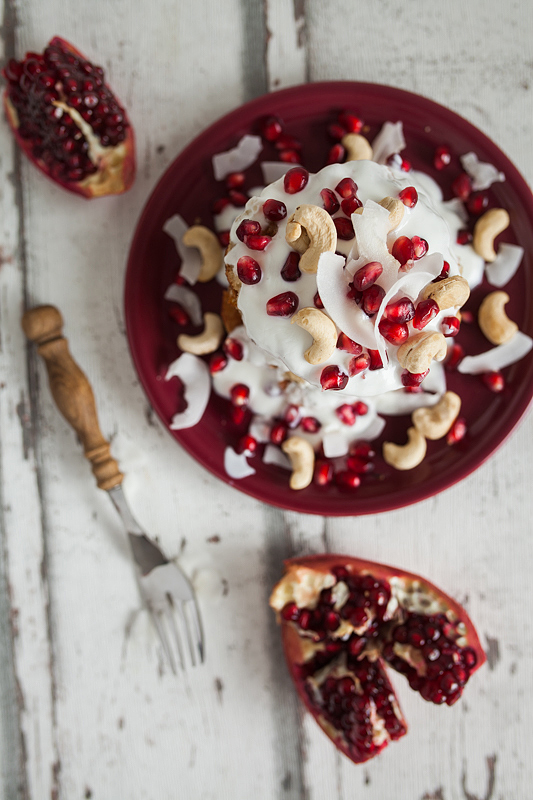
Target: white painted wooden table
88	708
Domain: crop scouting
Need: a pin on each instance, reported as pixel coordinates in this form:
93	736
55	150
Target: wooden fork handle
71	391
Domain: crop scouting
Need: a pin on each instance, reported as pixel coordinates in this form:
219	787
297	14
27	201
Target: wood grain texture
88	706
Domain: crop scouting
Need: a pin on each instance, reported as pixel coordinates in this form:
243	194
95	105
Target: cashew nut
357	147
487	228
395	208
322	329
448	292
207	243
434	422
406	456
493	320
311	231
302	457
417	353
205	342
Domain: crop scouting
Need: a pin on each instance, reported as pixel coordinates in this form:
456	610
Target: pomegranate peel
68	122
344	621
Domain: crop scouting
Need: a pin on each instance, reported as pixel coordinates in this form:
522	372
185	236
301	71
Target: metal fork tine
183	616
169	615
164	640
197	624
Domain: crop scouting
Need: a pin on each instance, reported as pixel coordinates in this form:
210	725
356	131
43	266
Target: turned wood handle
71	391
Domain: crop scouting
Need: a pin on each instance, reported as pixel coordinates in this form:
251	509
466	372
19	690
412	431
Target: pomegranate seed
477	203
271	128
445	271
336	131
345	343
290	612
237	198
292	416
360	408
248	270
287	142
337	154
358	364
469	657
406	165
257	241
425	311
420	245
457	431
310	425
346	414
240	394
238	415
223	238
304	619
409	196
290	156
454	358
494	381
349	205
333	378
375	360
344	228
179	315
360	466
362	450
346	187
323	474
350	121
247	444
330	202
394	332
290	271
462	186
317	301
403	250
274	210
450	326
413	379
346	479
401	310
235	180
372	299
464	236
217	363
366	276
282	305
278	433
220	205
295	180
248	227
234	349
442	157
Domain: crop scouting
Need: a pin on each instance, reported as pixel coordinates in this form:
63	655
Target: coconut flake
191	260
498	357
197	381
187	299
335	444
483	174
273	455
273	170
374	429
238	158
502	269
390	140
399	402
236	465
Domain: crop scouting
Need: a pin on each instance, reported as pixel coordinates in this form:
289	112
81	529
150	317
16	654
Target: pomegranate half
344	621
68	121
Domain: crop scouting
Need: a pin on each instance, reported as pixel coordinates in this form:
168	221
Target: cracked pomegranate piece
345	622
68	121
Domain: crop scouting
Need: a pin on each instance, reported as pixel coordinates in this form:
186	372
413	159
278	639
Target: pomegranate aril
425	311
290	156
223	238
442	157
375	360
179	315
295	180
409	196
235	180
367	275
454	357
350	204
292	415
336	155
217	362
219	205
401	310
332	377
403	250
477	203
362	450
345	343
464	236
394	332
413	379
248	270
336	131
278	433
248	227
271	128
290	612
494	381
346	479
257	241
310	424
450	326
238	415
247	444
240	394
445	271
372	299
274	210
234	349
347	187
359	465
420	247
282	305
344	228
287	142
329	200
323	473
317	301
346	414
462	186
350	121
290	271
457	431
358	364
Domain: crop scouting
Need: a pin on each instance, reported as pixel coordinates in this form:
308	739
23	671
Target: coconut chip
502	269
390	140
238	158
334	444
498	357
483	174
197	381
187	299
236	465
273	455
191	260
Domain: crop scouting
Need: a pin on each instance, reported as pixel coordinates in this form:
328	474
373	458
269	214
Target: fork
165	589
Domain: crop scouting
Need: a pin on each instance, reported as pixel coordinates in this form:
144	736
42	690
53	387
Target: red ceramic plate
188	188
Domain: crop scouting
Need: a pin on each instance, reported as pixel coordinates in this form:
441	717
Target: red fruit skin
110	178
291	640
